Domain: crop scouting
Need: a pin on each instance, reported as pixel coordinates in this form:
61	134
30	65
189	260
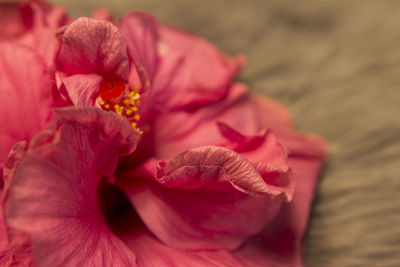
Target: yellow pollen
126	105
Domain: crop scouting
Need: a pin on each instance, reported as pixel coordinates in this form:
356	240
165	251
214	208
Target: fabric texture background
335	65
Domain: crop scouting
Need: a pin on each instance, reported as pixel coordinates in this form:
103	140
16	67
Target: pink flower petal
247	114
280	243
15	247
15	19
94	46
34	24
54	193
274	116
25	95
268	155
83	89
141	32
192	72
209	198
102	14
200	127
150	252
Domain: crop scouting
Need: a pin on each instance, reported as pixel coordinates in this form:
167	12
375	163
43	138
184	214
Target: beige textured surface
336	65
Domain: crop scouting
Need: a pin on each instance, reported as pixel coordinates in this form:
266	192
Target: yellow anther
126	104
135	97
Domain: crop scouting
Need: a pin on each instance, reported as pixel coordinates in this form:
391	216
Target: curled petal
94	46
193	168
269	157
206	198
53	197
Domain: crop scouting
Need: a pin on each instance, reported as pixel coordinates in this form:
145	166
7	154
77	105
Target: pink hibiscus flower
154	156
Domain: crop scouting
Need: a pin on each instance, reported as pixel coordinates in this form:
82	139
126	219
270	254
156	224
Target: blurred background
336	66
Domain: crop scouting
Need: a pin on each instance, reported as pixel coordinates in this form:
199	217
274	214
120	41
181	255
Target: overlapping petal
53	196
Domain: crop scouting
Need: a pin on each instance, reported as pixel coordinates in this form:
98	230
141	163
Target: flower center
121	98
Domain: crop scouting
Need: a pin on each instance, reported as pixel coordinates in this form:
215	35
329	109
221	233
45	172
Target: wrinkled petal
192	73
54	193
206	198
83	89
280	243
25	95
94	46
141	32
150	252
269	157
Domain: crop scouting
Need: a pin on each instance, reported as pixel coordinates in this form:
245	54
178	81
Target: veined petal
94	46
53	197
25	95
206	198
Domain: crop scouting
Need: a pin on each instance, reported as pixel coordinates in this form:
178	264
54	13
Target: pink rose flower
131	144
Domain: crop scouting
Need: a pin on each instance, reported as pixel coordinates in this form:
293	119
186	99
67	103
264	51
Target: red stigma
111	89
